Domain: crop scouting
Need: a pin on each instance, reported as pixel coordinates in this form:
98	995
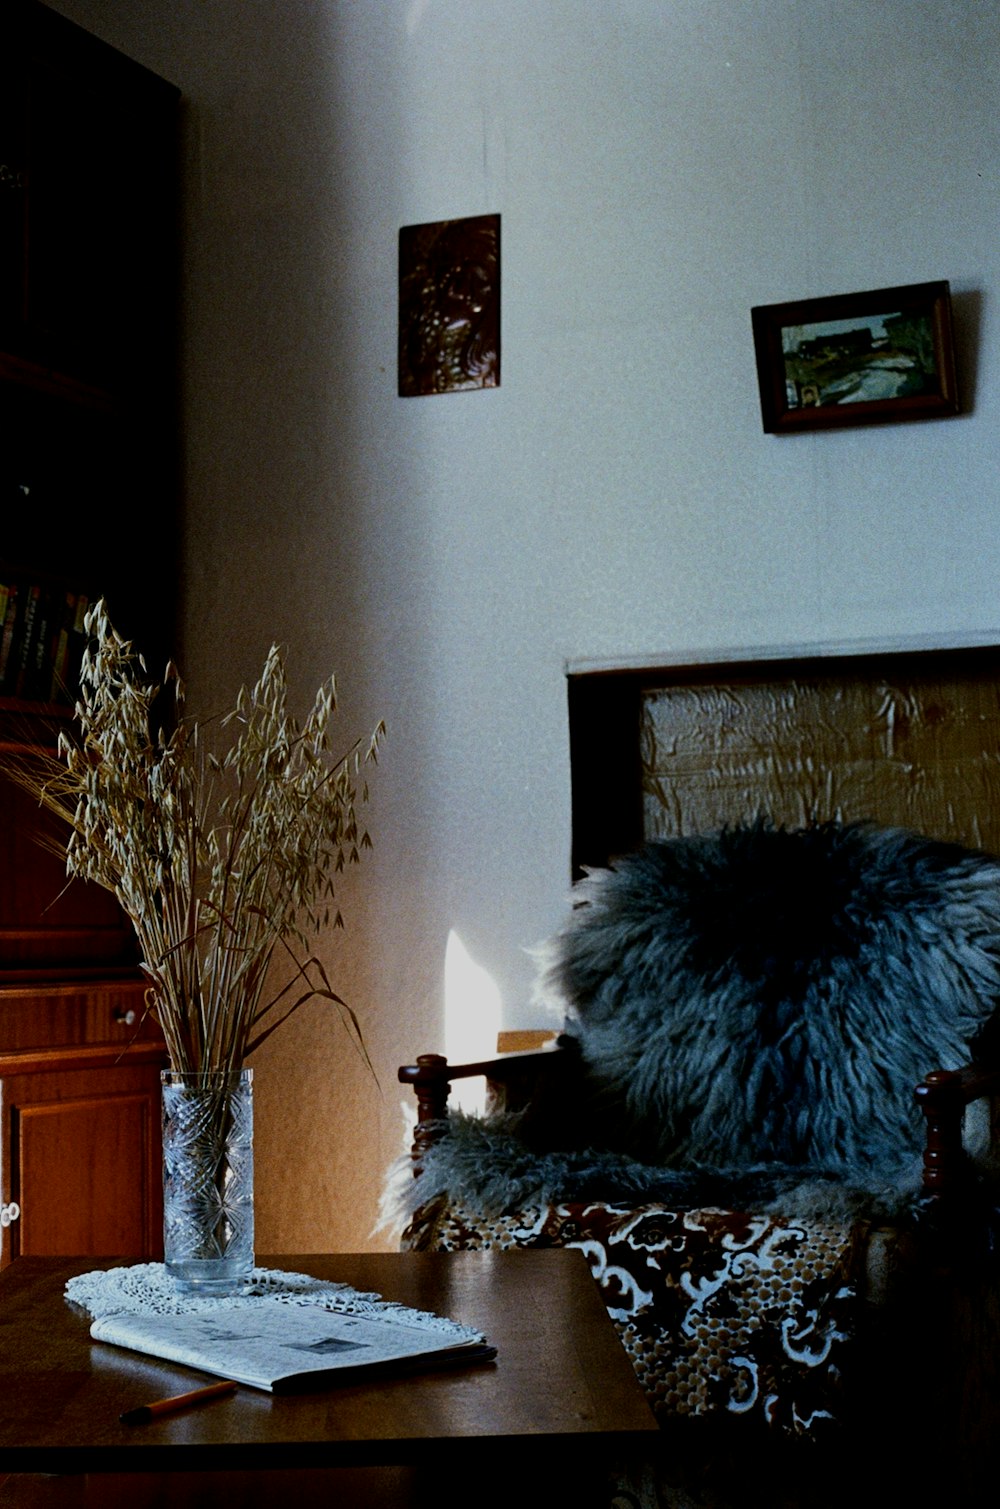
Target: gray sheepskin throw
751	1011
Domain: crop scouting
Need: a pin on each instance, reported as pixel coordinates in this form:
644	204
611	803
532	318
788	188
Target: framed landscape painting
856	358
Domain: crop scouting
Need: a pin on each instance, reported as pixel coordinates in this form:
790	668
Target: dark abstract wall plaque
449	306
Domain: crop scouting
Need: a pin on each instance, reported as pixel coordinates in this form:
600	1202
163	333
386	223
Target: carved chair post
511	1079
942	1101
429	1077
943	1097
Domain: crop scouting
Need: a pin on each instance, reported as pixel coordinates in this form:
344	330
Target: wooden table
560	1396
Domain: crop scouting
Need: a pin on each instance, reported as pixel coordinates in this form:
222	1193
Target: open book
286	1347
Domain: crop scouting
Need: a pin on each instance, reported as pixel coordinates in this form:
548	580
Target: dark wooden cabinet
88	220
79	1119
87	510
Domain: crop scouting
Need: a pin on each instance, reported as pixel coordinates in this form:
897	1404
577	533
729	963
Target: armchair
759	1121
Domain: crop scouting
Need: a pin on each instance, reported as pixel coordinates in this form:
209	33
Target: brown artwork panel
449	306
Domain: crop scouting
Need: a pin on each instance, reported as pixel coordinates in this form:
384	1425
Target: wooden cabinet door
81	1156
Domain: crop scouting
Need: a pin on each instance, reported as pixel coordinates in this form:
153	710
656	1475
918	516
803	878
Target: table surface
561	1377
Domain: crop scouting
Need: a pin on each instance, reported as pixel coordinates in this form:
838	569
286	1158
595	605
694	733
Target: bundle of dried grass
219	859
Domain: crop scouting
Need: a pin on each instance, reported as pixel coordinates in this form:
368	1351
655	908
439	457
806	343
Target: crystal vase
208	1178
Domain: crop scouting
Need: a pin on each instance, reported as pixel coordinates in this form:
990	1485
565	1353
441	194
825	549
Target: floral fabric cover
720	1311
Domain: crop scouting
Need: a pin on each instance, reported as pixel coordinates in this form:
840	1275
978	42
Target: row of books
41	641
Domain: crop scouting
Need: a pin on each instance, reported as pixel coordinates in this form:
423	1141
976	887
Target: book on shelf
41	640
24	632
8	619
288	1348
38	659
68	645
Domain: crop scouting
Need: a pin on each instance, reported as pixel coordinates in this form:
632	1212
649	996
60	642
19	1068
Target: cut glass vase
208	1236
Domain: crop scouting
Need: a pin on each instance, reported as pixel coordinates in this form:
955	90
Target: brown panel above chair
907	740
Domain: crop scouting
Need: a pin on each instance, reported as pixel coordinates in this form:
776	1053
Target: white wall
660	167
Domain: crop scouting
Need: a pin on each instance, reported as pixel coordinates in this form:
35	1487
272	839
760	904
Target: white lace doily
147	1289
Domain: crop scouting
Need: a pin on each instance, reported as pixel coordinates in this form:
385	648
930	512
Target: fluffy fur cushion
771	994
753	1009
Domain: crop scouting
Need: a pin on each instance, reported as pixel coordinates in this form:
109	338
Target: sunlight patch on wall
472	1011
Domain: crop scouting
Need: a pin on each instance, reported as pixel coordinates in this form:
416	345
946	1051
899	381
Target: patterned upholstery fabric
720	1312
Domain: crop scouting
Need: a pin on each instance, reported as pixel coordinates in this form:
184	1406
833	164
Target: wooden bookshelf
88	220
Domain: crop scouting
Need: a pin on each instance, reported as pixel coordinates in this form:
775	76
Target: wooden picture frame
449	306
856	358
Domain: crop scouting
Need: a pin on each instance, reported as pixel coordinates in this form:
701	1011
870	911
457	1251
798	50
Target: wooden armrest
431	1078
943	1097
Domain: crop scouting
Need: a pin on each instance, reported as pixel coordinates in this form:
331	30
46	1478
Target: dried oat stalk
221	858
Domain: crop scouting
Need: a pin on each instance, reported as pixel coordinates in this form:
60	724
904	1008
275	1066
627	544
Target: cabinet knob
9	1213
126	1018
